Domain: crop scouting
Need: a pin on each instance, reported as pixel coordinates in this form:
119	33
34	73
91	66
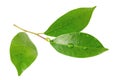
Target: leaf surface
73	21
78	44
22	52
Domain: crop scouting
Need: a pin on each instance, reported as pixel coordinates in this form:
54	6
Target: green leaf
78	44
22	52
73	21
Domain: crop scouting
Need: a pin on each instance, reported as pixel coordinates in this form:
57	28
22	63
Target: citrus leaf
22	52
73	21
78	44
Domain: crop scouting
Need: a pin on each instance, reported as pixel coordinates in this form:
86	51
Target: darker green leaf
22	52
73	21
78	45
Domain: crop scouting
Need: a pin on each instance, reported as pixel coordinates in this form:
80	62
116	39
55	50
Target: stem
37	34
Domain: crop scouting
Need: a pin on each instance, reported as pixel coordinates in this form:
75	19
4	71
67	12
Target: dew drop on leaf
87	35
85	48
70	45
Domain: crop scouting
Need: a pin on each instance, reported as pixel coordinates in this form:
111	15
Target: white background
37	16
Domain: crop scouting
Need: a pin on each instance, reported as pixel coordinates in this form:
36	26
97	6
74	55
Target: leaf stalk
37	34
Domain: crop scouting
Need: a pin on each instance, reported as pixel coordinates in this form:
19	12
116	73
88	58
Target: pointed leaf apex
94	7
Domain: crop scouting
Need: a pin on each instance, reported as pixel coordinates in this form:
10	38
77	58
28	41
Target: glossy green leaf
73	21
22	52
78	45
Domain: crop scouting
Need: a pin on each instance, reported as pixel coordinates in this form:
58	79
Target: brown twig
37	34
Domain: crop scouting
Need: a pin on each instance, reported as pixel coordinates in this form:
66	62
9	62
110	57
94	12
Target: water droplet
78	42
87	35
70	45
85	48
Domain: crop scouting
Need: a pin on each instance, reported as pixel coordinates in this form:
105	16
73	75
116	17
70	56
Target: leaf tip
106	49
94	7
19	74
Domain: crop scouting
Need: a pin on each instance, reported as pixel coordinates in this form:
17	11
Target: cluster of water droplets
71	45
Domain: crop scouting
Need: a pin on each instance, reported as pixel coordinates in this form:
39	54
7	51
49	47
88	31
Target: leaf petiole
37	34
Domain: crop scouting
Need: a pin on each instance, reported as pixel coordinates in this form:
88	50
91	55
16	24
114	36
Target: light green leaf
22	52
78	44
73	21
